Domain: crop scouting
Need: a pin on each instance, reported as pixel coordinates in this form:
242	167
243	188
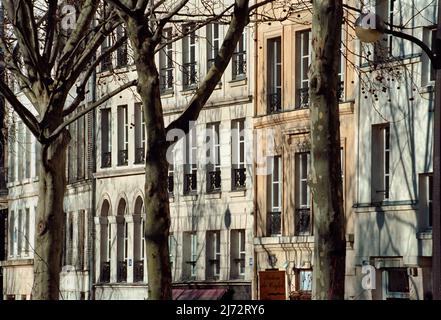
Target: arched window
122	242
105	243
139	241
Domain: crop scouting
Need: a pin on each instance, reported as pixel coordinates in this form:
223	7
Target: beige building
284	237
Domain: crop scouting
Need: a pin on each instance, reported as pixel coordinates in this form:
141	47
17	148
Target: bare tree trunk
326	179
157	210
49	220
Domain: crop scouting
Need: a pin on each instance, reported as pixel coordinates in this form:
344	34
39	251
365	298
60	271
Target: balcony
303	221
139	155
214	181
274	224
3	181
105	272
239	65
138	271
274	101
190	182
123	157
239	178
122	271
189	75
171	184
303	98
166	80
106	160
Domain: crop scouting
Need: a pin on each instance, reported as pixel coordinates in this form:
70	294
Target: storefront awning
198	294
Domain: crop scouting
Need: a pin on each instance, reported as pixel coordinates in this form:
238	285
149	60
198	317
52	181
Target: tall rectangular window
139	134
238	253
427	69
238	154
189	73
106	138
303	60
274	222
172	250
12	233
81	146
213	41
27	221
381	162
274	97
166	61
425	200
383	48
12	152
106	62
20	232
28	151
21	152
239	60
122	52
81	235
213	155
123	136
213	254
302	218
190	177
37	157
171	168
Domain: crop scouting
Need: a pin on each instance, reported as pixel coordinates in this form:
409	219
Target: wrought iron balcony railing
106	160
302	221
140	155
239	65
122	271
189	75
214	181
123	157
105	272
274	224
171	184
138	271
274	101
190	182
303	98
239	178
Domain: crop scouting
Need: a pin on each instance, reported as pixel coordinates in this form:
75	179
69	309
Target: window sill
240	81
428	88
425	235
213	195
167	94
238	193
190	197
189	90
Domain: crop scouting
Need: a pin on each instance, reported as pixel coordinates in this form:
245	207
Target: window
26	236
189	73
28	148
303	60
81	234
106	138
37	157
20	152
139	134
166	62
238	154
109	242
397	283
275	197
274	98
123	136
122	53
68	258
380	163
341	68
305	280
126	241
80	143
213	155
213	254
212	43
302	217
238	253
190	178
12	235
190	254
425	200
383	47
171	168
172	250
20	232
106	62
12	152
239	60
428	72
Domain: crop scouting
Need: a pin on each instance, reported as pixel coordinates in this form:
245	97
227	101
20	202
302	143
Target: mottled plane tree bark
48	62
326	175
